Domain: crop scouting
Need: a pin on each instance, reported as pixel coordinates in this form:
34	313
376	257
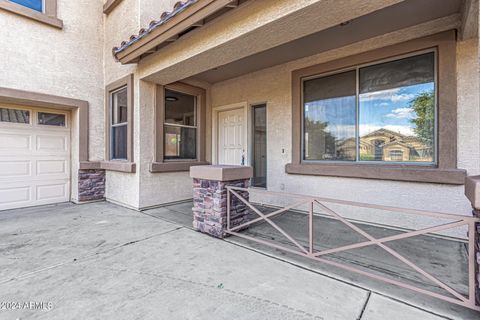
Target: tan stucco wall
120	24
67	62
152	9
273	85
468	106
158	188
142	188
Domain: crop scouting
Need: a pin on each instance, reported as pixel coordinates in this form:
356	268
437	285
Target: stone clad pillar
91	185
210	197
472	191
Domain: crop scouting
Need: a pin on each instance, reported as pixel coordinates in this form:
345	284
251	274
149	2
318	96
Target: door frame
246	134
251	138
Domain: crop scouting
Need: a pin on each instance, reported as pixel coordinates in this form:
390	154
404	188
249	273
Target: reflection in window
396	155
14	115
329	117
397	106
119	124
36	5
51	119
396	113
180	129
180	143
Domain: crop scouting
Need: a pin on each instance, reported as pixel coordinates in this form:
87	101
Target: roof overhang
185	17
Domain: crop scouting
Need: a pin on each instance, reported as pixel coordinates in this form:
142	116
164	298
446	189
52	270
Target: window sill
31	14
381	172
175	166
120	166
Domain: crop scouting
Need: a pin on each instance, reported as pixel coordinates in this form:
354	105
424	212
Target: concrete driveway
101	261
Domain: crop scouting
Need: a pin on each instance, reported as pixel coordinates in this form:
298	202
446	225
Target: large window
380	112
36	5
180	126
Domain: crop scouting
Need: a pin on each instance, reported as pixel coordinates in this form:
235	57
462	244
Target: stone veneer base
210	206
91	184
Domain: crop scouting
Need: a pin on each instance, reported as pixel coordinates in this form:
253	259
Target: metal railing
310	252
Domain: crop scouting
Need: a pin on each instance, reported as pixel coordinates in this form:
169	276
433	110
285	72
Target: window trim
160	164
357	68
445	171
48	16
119	164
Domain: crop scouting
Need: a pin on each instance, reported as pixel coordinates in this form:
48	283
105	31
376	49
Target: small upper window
14	115
51	119
36	5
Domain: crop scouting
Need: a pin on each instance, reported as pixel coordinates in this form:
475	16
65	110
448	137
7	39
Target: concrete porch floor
444	258
102	261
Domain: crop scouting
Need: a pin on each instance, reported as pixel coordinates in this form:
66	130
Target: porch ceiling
252	28
403	15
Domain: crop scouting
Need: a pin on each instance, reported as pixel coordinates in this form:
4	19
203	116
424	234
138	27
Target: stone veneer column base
91	184
210	206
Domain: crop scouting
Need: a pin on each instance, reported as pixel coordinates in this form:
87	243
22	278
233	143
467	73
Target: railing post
310	227
472	191
214	210
228	209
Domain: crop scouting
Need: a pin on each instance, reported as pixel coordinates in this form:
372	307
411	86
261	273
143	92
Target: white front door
231	136
34	157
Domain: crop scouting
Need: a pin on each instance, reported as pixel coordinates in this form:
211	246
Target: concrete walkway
101	261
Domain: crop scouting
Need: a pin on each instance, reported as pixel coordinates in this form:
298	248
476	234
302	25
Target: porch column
472	191
210	197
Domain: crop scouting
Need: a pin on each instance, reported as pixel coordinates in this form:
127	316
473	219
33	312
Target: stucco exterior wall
273	85
66	62
142	188
120	24
152	9
158	188
468	102
63	62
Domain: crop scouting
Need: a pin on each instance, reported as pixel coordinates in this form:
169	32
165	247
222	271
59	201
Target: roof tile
154	24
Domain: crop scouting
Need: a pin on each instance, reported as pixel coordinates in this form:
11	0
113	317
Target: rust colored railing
310	252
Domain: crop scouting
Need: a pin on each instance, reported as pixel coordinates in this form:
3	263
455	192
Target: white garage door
34	157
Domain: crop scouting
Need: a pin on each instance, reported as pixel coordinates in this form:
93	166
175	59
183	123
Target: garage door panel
15	195
12	141
53	191
52	143
15	168
52	167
